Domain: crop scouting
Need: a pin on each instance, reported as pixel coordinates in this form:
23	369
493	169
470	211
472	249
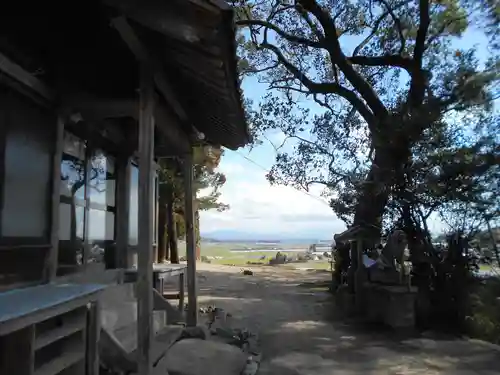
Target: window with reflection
102	190
73	169
87	208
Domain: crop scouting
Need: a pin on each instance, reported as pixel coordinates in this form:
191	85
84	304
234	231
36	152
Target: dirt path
299	337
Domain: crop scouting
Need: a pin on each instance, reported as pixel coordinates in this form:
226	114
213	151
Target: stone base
345	301
384	276
390	305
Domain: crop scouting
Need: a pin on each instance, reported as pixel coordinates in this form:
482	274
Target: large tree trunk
392	155
493	242
374	195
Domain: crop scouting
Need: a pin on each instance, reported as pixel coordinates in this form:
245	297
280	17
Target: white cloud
258	207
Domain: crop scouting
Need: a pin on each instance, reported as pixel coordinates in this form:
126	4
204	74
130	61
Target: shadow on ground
292	312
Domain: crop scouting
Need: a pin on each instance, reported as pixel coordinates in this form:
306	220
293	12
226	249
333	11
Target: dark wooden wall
27	143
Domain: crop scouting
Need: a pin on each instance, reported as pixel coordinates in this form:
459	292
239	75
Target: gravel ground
299	336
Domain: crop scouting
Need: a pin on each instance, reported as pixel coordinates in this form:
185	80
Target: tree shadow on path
298	333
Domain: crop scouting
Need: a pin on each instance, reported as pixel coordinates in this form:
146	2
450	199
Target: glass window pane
71	235
73	168
102	179
133	226
28	166
71	222
73	146
101	226
73	177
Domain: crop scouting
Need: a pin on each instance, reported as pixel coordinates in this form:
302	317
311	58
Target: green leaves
205	160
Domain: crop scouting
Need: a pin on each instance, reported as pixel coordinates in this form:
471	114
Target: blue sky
263	209
258	207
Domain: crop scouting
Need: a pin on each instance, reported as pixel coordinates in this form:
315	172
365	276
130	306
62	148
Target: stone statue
385	272
393	250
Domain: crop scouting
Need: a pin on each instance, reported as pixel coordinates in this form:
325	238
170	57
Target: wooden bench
162	274
118	342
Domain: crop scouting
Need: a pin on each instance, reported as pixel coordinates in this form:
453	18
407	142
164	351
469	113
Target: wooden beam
192	313
176	138
177	21
52	259
186	56
94	109
15	71
139	50
145	243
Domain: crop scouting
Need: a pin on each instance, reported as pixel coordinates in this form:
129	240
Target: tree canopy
378	99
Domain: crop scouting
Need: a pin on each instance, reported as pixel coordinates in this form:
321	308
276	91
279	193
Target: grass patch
319	265
484	319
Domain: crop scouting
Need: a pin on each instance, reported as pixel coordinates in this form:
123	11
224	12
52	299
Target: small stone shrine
379	285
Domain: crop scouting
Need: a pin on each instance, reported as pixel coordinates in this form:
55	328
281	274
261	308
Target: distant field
222	254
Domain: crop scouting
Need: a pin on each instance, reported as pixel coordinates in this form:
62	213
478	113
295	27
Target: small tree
172	194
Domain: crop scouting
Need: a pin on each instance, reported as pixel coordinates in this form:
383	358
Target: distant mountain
241	236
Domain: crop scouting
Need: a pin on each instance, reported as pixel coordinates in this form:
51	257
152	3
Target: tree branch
291	38
388	60
332	44
260	70
322	88
311	24
418	82
397	22
376	25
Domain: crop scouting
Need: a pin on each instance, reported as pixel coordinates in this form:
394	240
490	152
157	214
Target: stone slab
204	357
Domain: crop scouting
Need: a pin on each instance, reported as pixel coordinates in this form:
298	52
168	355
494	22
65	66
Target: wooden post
124	170
192	313
145	243
93	333
162	230
171	227
156	204
51	266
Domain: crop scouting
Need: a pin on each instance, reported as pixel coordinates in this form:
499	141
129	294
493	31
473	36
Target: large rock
204	357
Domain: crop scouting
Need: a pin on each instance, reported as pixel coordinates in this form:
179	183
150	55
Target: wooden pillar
192	313
145	243
124	171
172	227
93	334
51	264
162	230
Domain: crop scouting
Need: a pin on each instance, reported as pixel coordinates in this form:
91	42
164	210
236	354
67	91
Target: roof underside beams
194	44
